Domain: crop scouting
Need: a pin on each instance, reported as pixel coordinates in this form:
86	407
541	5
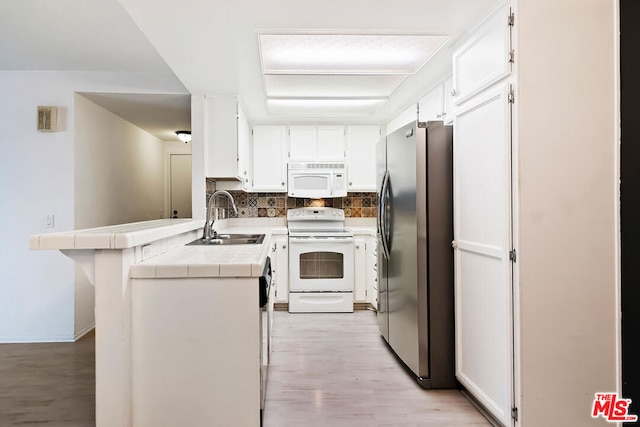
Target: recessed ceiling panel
346	53
332	85
323	107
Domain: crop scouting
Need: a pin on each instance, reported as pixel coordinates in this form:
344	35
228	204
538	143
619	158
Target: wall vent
47	119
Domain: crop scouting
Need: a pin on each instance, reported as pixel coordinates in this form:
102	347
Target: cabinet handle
438	115
351	184
245	172
273	249
453	92
284	246
282	183
357	246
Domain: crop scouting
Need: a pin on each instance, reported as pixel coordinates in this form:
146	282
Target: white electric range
321	260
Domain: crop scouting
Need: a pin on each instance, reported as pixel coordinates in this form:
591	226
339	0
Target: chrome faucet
208	231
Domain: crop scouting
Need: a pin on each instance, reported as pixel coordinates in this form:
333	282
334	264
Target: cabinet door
372	271
244	153
302	143
269	147
431	106
482	241
361	157
330	143
282	269
360	273
484	58
448	100
222	138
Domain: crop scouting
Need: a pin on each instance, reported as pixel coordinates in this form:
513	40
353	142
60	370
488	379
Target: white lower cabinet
360	270
280	267
372	271
365	270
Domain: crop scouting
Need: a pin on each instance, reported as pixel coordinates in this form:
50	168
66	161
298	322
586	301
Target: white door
482	242
361	158
303	143
331	144
180	185
269	149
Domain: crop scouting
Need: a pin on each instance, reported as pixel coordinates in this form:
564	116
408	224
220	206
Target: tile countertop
361	226
121	236
211	261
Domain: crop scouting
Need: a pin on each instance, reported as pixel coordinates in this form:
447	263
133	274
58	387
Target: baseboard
85	331
36	339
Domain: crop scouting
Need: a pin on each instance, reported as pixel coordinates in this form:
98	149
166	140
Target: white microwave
316	180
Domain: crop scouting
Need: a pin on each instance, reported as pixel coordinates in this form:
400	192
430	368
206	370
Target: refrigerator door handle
379	206
382	209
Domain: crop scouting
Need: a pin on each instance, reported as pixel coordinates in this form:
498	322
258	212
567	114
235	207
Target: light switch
48	221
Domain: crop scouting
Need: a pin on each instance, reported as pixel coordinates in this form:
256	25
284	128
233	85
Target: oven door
321	264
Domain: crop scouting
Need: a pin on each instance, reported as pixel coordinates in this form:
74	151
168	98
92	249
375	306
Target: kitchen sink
229	239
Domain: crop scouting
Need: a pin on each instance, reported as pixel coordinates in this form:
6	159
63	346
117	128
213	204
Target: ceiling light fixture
184	135
324	106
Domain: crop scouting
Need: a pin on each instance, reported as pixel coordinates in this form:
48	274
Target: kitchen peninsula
149	287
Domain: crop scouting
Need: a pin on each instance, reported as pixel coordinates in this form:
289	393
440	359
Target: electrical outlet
48	221
146	251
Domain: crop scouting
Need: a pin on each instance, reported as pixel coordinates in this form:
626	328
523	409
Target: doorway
180	185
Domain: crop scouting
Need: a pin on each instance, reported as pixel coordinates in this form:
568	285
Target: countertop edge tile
204	270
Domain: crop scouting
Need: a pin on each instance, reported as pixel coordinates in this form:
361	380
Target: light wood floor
326	370
335	370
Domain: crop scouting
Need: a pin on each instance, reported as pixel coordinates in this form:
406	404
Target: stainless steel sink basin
229	239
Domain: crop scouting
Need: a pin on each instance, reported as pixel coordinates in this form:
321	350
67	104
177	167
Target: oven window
321	265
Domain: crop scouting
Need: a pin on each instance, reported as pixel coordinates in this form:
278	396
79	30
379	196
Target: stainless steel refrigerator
415	257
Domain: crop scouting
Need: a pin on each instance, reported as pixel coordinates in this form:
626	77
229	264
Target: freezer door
403	163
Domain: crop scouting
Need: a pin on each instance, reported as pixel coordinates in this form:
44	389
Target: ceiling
160	115
213	46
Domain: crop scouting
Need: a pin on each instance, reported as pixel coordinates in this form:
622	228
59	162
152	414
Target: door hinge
511	19
512	56
512	255
512	96
514	414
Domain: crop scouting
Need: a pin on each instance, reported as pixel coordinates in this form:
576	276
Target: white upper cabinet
244	151
221	137
302	143
436	104
361	157
431	106
316	143
331	143
269	149
227	141
484	59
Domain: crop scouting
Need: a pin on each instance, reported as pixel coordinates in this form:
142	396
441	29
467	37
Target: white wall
568	239
37	178
119	178
119	174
